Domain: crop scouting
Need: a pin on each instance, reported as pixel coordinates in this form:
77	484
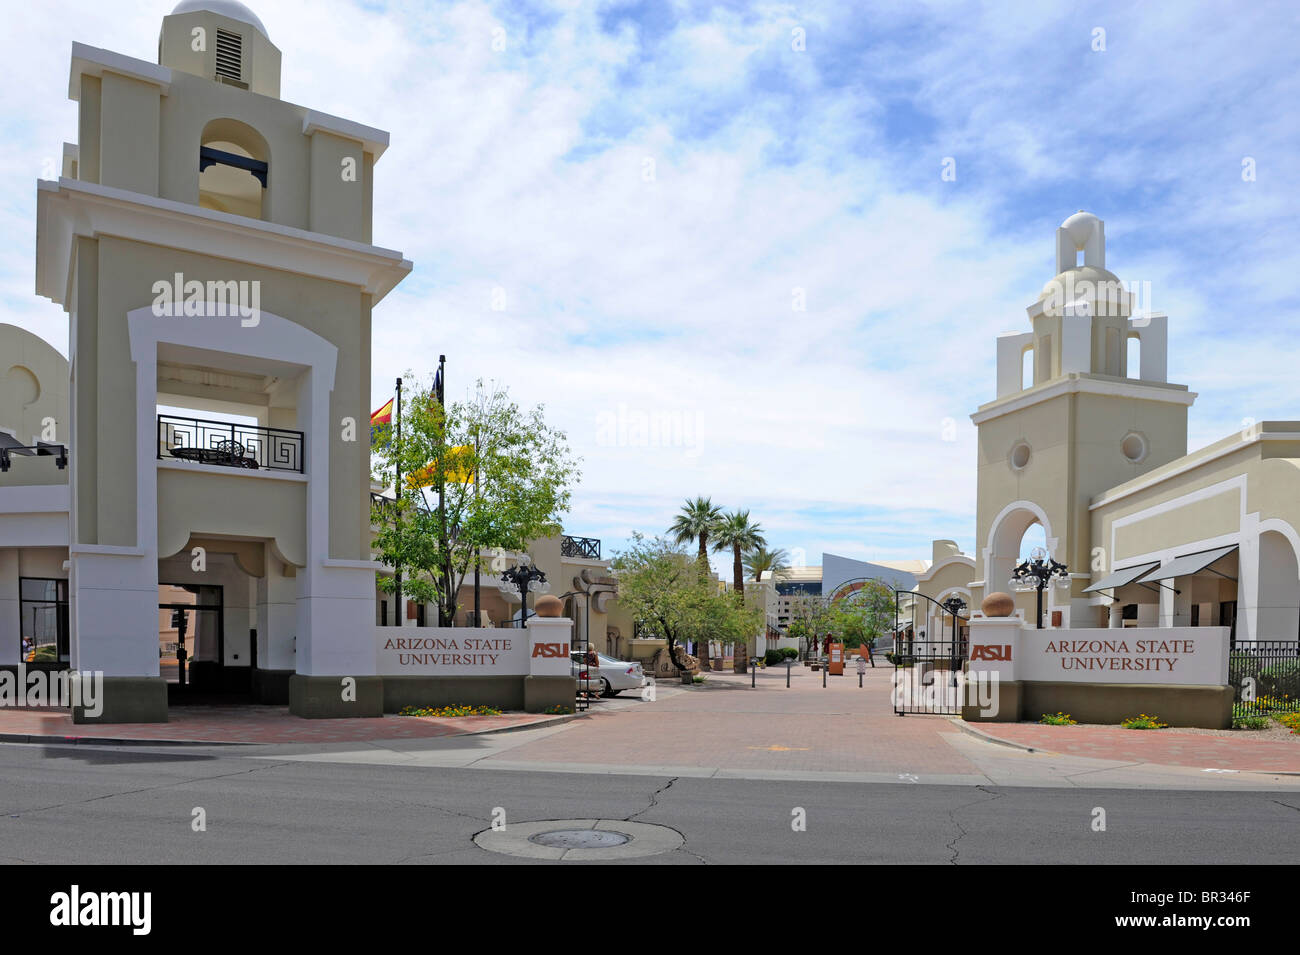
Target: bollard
753	671
825	669
787	674
859	679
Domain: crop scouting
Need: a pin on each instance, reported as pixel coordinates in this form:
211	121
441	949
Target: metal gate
930	646
1265	677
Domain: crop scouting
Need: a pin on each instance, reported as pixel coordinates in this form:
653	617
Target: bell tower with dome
212	246
1071	419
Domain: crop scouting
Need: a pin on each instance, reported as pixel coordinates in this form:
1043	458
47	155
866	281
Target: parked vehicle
612	677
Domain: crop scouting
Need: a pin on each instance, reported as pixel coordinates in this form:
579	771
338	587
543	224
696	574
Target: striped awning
1122	577
1189	564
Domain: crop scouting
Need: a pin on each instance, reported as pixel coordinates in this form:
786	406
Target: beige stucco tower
212	247
1083	422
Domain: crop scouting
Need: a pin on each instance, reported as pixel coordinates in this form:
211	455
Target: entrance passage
930	646
191	646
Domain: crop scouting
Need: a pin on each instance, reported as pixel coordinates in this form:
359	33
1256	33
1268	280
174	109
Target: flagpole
442	487
397	495
478	621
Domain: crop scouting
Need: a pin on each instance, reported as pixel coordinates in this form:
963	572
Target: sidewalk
250	724
1235	750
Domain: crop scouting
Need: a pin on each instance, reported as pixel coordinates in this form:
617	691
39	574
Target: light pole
1038	573
524	576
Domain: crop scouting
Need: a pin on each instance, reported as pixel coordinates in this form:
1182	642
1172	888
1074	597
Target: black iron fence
229	445
588	547
1265	677
929	650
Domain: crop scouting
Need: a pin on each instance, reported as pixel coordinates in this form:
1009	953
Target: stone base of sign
128	699
543	692
1010	693
322	697
271	687
502	692
1208	707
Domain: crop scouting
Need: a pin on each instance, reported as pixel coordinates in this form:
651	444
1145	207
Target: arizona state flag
460	468
383	418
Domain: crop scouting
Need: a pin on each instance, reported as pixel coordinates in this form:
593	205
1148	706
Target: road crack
654	799
962	830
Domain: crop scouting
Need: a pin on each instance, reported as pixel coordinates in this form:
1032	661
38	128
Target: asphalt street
101	804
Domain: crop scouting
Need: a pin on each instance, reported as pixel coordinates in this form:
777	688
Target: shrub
790	653
1291	721
1143	721
1281	680
773	657
698	678
1058	719
559	709
1250	722
448	711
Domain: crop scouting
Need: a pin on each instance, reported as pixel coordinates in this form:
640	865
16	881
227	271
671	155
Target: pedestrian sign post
862	668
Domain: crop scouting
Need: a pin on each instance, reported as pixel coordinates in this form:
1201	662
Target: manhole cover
580	839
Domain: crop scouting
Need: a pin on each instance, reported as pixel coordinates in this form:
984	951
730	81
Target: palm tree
759	561
696	521
736	533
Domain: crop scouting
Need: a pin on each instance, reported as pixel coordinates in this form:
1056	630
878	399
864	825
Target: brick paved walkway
253	724
1167	747
726	724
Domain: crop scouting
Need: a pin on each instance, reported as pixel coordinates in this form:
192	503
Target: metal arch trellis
927	665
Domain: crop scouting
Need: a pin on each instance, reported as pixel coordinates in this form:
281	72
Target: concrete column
10	622
1116	616
1182	602
550	679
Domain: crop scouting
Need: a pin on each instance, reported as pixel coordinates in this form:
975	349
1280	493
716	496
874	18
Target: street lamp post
524	576
1038	573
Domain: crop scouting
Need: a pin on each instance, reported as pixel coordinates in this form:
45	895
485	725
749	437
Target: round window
1020	456
1134	447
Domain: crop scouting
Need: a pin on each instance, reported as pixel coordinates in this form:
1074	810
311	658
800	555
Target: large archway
1278	616
1014	529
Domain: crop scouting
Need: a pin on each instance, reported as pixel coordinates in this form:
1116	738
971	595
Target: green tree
863	616
811	617
660	588
736	533
697	519
759	561
499	477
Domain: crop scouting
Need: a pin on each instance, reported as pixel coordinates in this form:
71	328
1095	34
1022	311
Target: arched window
234	169
1134	356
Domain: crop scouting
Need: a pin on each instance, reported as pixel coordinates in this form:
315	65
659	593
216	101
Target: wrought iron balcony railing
588	547
229	445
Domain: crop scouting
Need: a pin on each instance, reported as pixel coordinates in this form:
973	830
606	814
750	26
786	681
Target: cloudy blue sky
649	189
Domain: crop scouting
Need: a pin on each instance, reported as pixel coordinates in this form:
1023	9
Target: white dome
1081	226
226	8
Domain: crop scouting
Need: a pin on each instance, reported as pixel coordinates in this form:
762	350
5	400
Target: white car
612	676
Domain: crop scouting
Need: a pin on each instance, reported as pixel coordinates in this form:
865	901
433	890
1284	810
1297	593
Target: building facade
211	245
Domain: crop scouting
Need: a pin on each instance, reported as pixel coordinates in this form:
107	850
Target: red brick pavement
252	724
1168	747
728	725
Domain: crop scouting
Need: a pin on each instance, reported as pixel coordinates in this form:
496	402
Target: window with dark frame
43	613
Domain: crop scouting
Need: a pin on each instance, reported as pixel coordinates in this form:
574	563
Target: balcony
585	547
226	444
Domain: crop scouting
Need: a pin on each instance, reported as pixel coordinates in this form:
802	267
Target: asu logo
985	652
551	650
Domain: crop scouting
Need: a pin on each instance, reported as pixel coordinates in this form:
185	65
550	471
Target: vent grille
230	55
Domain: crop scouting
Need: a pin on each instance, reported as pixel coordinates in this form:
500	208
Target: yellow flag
460	469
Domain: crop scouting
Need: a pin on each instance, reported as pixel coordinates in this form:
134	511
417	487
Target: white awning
1122	577
1189	564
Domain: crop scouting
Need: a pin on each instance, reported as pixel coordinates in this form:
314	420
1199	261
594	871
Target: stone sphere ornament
998	604
548	605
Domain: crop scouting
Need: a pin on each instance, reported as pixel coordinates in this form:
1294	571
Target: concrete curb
990	738
53	740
